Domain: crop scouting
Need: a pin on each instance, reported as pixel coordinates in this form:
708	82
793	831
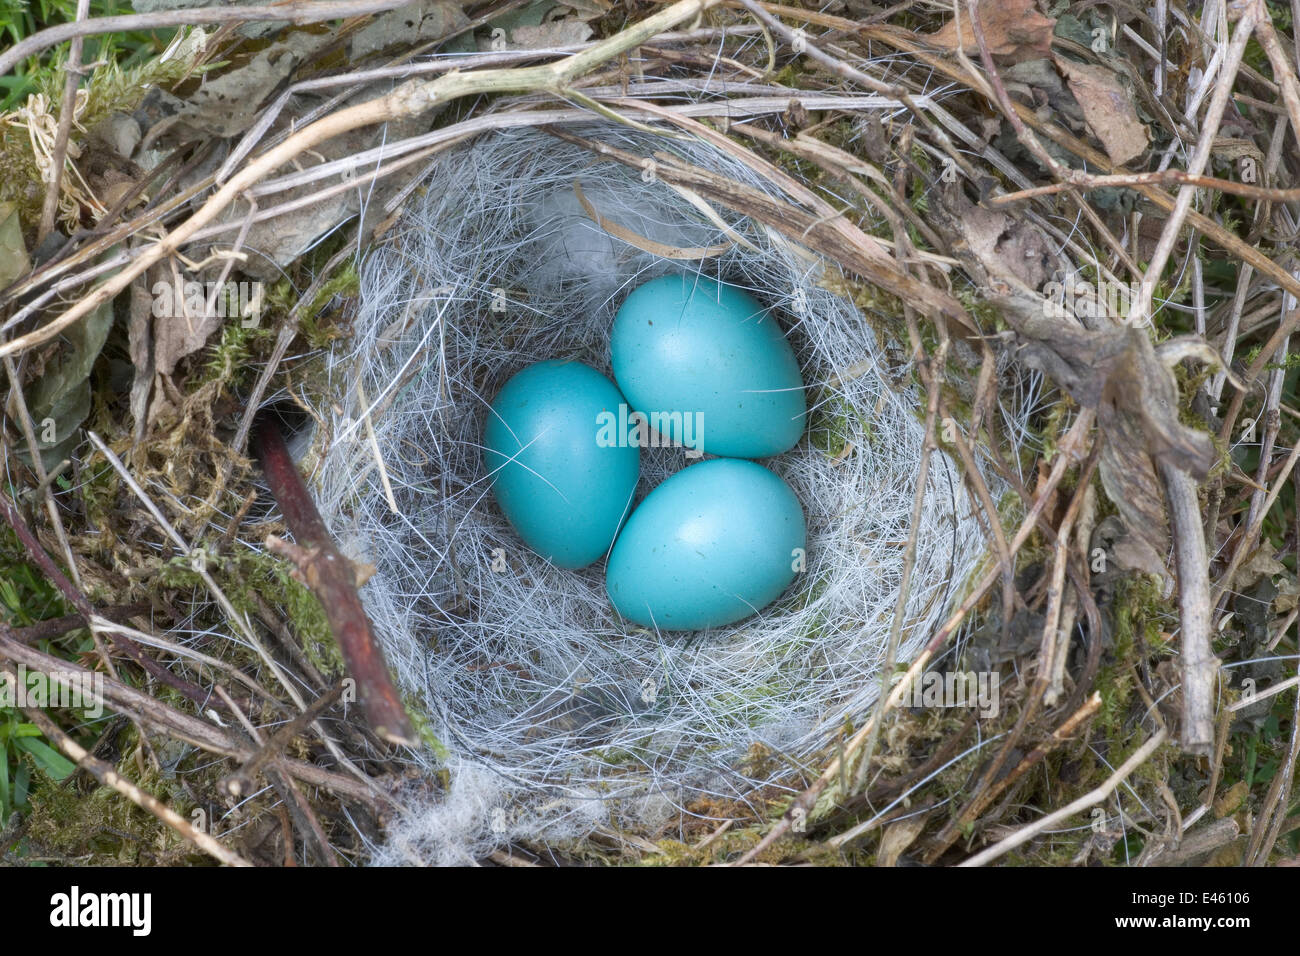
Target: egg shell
711	545
712	363
565	492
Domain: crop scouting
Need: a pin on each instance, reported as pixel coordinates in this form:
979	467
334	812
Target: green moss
318	326
244	576
1138	608
230	361
424	729
832	423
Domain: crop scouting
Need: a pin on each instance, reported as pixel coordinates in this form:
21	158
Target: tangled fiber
553	716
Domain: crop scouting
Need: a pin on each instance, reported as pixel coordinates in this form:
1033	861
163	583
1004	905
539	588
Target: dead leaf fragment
555	33
431	20
1107	109
1231	799
1008	248
60	400
1111	368
182	323
1261	563
589	9
1013	29
13	251
898	836
228	104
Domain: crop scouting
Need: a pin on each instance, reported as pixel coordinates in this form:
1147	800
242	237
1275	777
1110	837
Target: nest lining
555	716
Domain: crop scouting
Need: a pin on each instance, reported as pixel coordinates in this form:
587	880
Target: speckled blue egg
712	363
564	485
713	544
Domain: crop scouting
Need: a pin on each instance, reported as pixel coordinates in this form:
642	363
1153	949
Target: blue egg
709	367
561	475
715	543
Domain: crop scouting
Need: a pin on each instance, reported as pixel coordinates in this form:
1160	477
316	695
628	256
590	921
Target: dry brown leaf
1232	798
1008	248
1116	370
554	33
1113	369
1288	595
13	251
898	836
1136	552
227	105
431	20
589	9
1013	29
183	329
1126	470
1107	109
1261	563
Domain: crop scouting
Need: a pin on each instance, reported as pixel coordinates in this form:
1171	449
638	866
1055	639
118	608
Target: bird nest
554	715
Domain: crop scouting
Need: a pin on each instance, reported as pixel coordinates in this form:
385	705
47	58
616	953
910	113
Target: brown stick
1161	177
1200	666
905	40
408	100
936	365
58	626
833	237
123	699
986	790
241	782
49	212
55	576
1089	799
332	579
807	800
109	777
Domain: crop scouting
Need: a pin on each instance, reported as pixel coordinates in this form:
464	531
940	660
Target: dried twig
936	376
806	801
293	11
1200	666
240	783
332	578
408	100
78	600
109	777
67	111
1141	307
1093	797
119	697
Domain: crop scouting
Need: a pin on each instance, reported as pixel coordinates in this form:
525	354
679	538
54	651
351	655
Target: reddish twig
57	626
332	578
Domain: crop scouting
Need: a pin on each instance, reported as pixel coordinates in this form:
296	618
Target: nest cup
552	716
